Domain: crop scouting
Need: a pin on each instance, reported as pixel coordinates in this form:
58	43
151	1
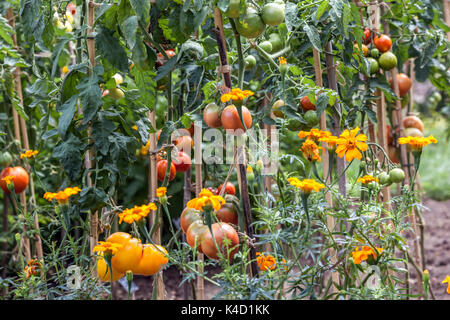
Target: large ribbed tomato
128	257
382	43
413	122
221	231
188	216
230	118
20	179
307	104
104	273
211	115
228	213
161	167
153	258
194	233
182	162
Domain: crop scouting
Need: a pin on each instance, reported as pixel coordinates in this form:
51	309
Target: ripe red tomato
413	122
367	36
229	188
220	231
228	214
230	118
161	167
404	84
382	43
194	233
211	115
306	104
189	216
160	59
72	8
182	162
20	179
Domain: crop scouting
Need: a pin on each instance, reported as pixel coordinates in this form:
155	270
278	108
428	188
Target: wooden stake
447	15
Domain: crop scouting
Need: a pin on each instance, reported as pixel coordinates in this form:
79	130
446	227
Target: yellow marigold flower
107	248
29	154
314	134
137	213
417	143
134	127
65	70
306	185
249	169
265	262
311	151
350	144
8	179
367	179
236	94
62	196
365	253
161	192
206	199
331	141
282	60
32	268
144	149
447	280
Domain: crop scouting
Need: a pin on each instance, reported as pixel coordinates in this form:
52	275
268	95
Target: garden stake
243	187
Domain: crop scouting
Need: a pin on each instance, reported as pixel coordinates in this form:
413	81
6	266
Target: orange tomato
229	188
404	84
382	43
128	257
104	273
161	168
148	265
184	142
413	122
230	118
220	231
20	179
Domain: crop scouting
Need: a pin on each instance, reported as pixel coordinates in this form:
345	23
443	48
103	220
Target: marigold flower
32	268
107	248
306	185
367	179
331	141
236	94
350	144
249	169
206	198
265	262
137	213
417	143
62	196
144	149
365	253
282	60
134	127
314	134
29	154
8	179
447	280
311	151
161	192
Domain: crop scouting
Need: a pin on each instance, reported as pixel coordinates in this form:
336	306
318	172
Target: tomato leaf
109	46
313	36
68	111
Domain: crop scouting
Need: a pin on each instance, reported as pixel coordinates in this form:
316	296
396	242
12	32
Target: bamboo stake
198	189
325	163
17	128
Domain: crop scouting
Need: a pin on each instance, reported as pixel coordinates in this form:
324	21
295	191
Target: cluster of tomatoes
19	174
379	54
228	118
141	259
413	128
198	234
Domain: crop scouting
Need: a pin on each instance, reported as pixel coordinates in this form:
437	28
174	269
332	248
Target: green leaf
313	36
142	10
146	84
322	103
129	27
101	130
68	111
291	16
6	31
321	9
166	68
91	97
110	48
57	49
69	154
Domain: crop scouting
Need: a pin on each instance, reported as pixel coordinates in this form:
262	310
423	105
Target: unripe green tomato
384	179
276	41
294	124
374	67
374	53
233	9
266	46
275	190
396	175
387	61
372	185
5	159
250	62
273	14
362	165
311	118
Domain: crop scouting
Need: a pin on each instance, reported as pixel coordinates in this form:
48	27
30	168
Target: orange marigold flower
137	213
306	185
62	196
330	140
417	143
236	94
134	127
32	268
206	199
161	192
367	179
365	253
311	151
314	134
29	154
107	248
350	144
8	179
447	280
282	60
144	149
265	262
